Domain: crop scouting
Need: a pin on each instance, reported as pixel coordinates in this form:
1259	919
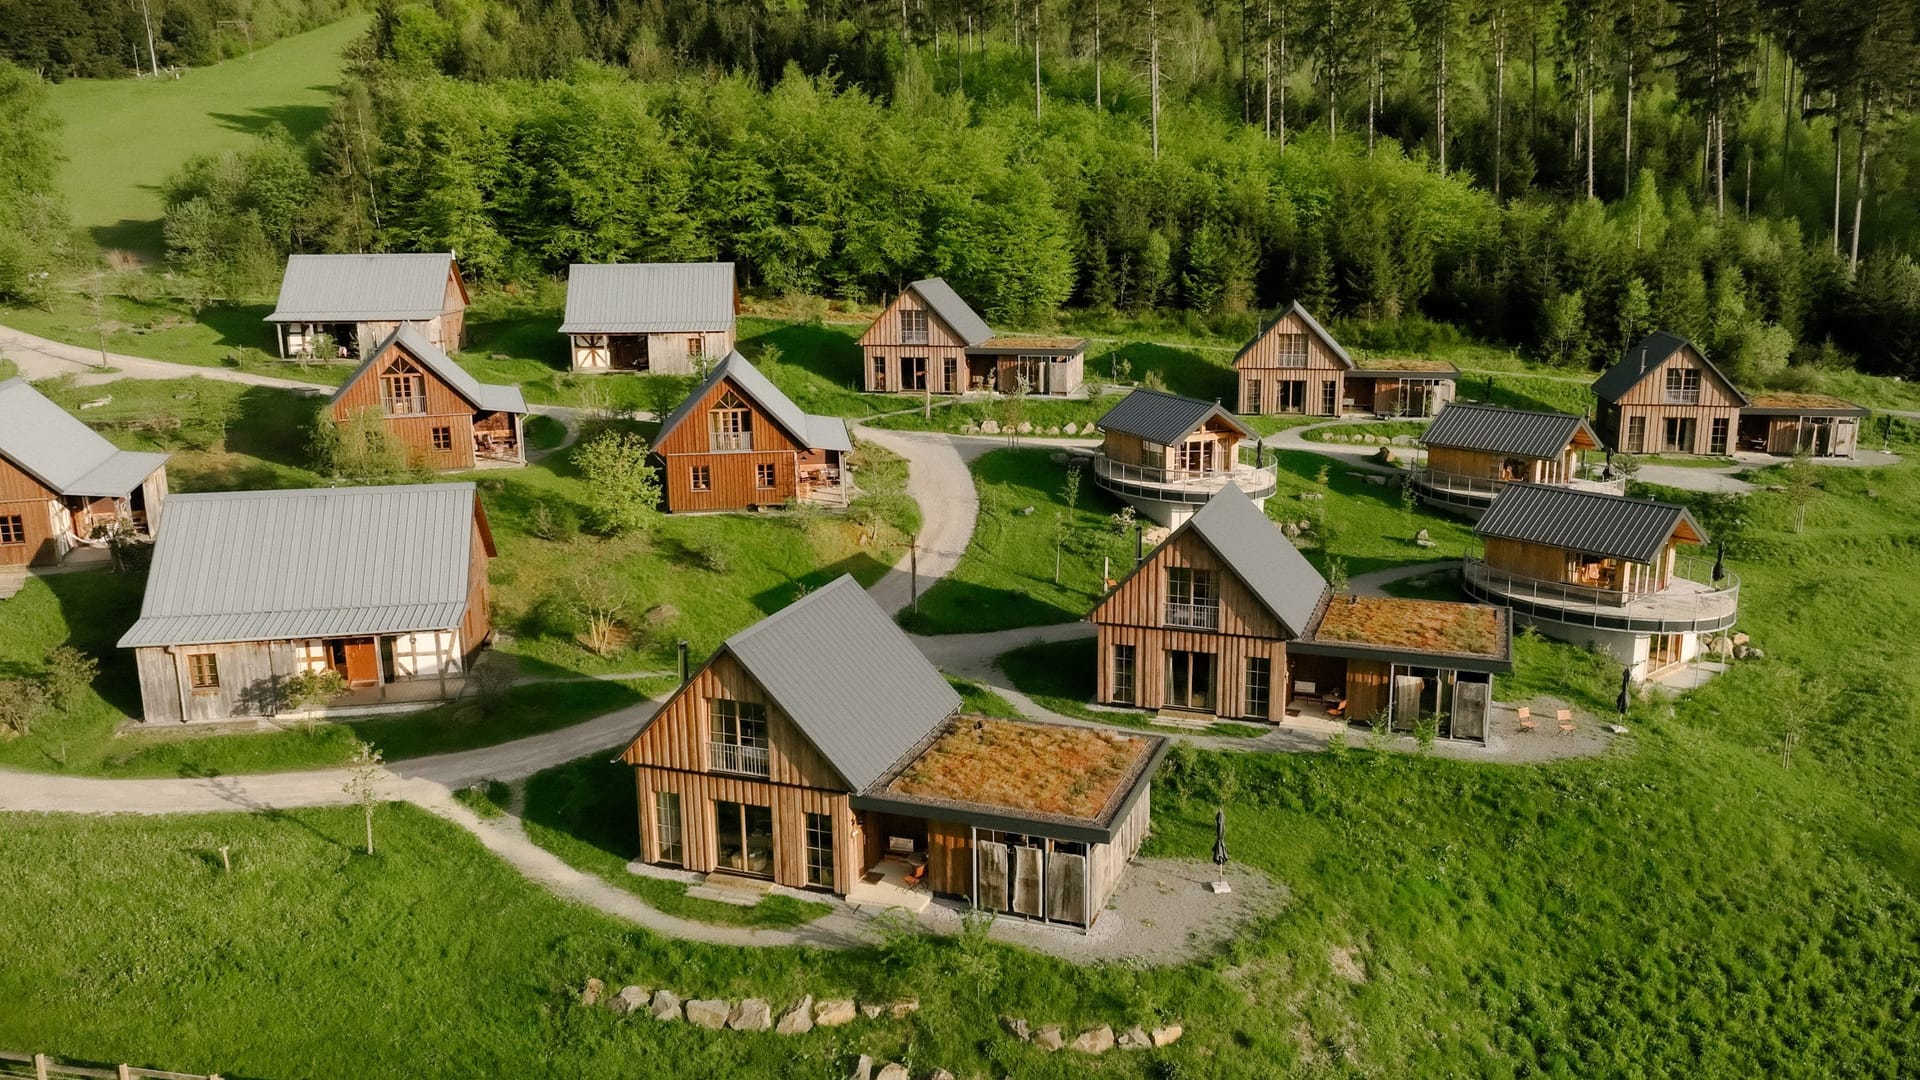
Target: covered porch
327	342
498	439
387	669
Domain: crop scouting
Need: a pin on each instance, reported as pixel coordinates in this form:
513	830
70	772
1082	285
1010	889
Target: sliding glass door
745	834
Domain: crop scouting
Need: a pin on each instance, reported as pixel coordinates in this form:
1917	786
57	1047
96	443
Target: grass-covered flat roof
1026	769
1436	626
1794	400
1369	364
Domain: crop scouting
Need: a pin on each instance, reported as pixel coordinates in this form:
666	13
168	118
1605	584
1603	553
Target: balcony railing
1194	616
1683	397
1190	485
735	758
1684	604
1463	484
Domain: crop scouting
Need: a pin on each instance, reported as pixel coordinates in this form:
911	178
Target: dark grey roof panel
1257	552
61	452
1163	418
492	397
813	432
1522	432
1642	358
649	298
362	288
955	312
1584	521
848	677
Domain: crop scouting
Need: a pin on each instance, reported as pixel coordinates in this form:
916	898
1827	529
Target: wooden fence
42	1067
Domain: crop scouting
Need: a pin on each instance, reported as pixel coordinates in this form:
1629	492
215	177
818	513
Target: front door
745	833
1679	431
357	659
1189	680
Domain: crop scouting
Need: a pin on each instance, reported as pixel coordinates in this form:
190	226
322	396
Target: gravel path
938	480
41	358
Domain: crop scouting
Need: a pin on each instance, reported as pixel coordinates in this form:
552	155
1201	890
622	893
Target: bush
623	487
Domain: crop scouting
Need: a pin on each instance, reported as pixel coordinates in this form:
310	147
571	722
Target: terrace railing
1183	485
1685	604
1454	483
737	758
1194	616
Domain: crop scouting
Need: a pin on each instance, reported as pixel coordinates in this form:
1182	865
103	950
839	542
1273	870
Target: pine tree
1710	53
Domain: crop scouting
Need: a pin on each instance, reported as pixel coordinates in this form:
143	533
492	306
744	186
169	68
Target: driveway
938	480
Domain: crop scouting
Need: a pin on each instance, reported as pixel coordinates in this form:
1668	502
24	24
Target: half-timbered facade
1227	619
62	486
1475	450
338	307
1666	397
1166	455
930	341
737	442
446	418
649	318
385	585
819	749
1603	571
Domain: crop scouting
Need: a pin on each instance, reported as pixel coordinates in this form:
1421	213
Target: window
1259	685
763	475
737	736
820	850
13	530
1192	598
730	424
1189	680
1290	350
1636	434
913	326
1329	398
701	478
1678	432
1253	397
879	371
667	828
403	389
1683	386
696	346
1123	691
203	671
1717	435
913	373
443	438
1291	396
952	376
1196	455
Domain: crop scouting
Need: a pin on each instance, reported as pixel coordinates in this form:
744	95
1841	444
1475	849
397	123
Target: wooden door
361	662
1471	698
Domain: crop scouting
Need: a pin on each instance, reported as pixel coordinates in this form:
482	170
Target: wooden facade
1679	405
39	526
1507	468
932	357
1564	566
439	427
1395	393
1291	367
670	353
1213	447
702	474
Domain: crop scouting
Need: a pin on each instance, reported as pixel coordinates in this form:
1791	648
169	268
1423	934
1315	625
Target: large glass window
730	424
1123	674
1290	350
879	371
913	373
13	529
1259	685
1717	435
820	850
737	736
668	830
1636	434
1189	680
1193	598
913	326
1683	386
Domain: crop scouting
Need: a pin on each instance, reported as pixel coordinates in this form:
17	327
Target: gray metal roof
648	298
1641	359
491	397
1523	432
1313	327
813	432
848	677
1163	418
1584	521
955	312
359	288
309	562
61	452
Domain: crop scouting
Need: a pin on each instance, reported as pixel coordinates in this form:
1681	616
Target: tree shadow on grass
824	350
863	566
592	800
300	121
142	237
951	606
98	606
273	425
241	326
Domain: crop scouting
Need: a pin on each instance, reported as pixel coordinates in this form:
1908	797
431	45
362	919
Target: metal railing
1194	616
736	758
1684	604
1187	484
1465	484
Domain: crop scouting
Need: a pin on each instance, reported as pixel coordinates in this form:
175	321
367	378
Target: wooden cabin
1666	397
930	341
820	750
1292	366
1398	386
385	585
61	484
1603	571
1474	450
1166	455
650	318
1227	619
446	418
737	442
338	307
1785	423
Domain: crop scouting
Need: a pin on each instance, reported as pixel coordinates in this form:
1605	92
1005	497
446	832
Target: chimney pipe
684	674
1139	544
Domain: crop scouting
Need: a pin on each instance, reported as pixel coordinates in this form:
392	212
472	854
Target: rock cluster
1099	1040
751	1014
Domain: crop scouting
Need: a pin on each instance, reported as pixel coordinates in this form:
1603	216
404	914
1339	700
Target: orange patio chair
917	876
1527	722
1565	719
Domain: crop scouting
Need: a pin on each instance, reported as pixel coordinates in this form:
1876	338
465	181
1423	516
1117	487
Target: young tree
361	451
1063	528
1802	486
67	674
33	221
363	782
623	487
311	688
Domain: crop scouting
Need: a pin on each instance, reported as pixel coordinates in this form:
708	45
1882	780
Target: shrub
623	487
308	689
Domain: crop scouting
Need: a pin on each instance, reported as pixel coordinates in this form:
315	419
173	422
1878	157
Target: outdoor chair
1338	711
1525	714
1565	719
917	876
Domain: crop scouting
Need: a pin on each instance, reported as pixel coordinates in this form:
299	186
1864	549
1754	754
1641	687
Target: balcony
1180	485
1194	616
734	758
1685	605
1475	492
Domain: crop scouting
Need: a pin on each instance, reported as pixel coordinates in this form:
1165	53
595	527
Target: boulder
753	1014
903	1008
989	427
872	1010
1135	1038
591	994
1312	496
1167	1036
1049	1038
666	1005
1071	428
893	1070
797	1020
1053	429
1422	535
1017	1027
833	1013
1025	428
630	999
940	1074
862	1069
709	1013
1025	511
1741	639
969	428
1289	529
1096	1041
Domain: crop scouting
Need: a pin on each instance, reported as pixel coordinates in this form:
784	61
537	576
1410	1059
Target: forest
1555	177
60	39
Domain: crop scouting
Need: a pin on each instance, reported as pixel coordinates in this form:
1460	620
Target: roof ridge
342	489
1562	492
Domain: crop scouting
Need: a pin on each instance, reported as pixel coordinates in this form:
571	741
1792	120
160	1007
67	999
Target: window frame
765	476
817	831
1194	590
1125	674
203	672
16	526
1290	350
911	334
696	346
879	371
730	424
669	829
1636	437
443	438
1259	674
737	723
401	373
700	478
1689	387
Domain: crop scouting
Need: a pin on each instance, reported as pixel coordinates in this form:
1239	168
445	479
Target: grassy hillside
124	137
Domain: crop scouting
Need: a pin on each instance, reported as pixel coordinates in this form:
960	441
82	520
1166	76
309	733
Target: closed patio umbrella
1720	562
1626	684
1220	838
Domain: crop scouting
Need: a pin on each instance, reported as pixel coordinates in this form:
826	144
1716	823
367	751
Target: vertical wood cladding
733	476
1488	465
677	736
1261	362
38	509
1647	400
442	408
700	836
883	344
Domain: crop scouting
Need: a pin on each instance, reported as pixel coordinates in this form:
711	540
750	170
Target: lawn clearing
229	336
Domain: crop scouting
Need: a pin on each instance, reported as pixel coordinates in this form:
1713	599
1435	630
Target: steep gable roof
1586	521
649	298
1257	553
362	288
308	562
807	429
1313	327
1640	360
1163	418
491	397
955	312
1496	430
61	452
